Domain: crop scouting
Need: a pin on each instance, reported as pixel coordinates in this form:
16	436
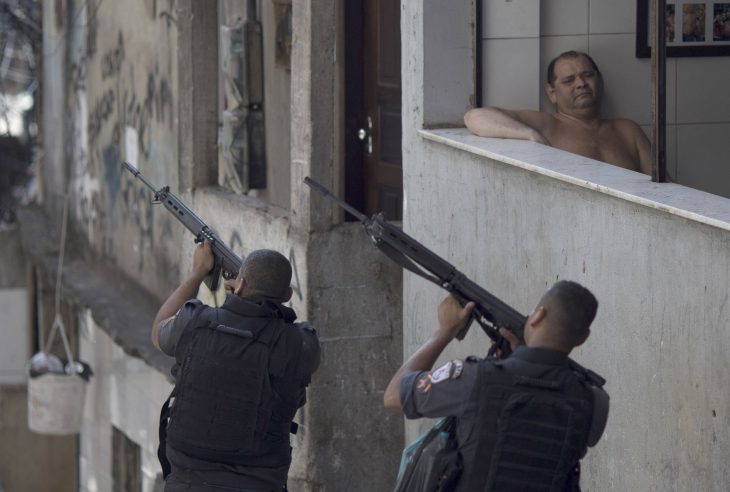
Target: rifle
227	262
489	312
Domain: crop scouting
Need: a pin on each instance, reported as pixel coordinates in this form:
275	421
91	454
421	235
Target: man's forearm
494	122
422	360
187	290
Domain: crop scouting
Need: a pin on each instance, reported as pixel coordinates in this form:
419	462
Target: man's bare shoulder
531	113
540	120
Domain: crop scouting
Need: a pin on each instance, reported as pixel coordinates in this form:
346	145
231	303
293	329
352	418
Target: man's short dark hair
568	55
573	310
267	273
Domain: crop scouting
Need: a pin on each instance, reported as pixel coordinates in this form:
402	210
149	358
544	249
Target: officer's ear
240	287
537	316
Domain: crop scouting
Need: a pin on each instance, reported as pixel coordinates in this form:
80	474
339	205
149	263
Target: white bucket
56	403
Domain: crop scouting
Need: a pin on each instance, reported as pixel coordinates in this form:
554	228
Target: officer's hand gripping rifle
227	262
490	312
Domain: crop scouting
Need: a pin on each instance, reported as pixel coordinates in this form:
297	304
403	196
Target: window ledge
631	186
245	202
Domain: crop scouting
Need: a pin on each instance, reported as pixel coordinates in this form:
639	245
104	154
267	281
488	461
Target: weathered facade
147	82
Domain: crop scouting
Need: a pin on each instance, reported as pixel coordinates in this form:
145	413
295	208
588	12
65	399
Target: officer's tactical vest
228	407
528	434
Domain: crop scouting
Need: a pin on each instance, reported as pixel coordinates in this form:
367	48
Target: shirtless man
575	87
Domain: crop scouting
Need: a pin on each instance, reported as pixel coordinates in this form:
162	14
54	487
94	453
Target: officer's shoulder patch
450	370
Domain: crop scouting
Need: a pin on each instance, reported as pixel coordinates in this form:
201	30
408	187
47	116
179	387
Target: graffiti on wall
111	61
128	92
154	106
124	106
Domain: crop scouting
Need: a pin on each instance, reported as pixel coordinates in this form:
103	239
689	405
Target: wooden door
374	175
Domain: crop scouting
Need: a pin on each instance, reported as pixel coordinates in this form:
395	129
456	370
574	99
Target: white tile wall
627	78
14	349
703	94
563	17
510	19
612	16
703	157
511	73
670	90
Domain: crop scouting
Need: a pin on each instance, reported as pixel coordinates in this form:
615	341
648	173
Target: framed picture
692	28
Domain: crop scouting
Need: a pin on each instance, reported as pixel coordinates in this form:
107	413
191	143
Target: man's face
577	86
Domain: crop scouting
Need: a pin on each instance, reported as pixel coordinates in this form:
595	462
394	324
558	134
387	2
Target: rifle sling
406	262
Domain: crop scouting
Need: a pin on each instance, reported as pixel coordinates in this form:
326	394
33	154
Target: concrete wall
355	303
697	119
52	177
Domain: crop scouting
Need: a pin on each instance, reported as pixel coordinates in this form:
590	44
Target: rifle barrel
138	174
324	191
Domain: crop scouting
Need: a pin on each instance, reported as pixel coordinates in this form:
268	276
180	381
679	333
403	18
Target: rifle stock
489	312
227	263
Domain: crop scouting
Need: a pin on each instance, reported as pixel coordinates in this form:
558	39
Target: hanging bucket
56	401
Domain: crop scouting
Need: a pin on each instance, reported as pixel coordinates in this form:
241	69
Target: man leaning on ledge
575	86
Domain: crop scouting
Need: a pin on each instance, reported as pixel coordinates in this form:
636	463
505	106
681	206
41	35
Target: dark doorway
373	172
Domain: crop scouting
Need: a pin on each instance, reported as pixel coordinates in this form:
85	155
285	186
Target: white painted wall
520	37
124	392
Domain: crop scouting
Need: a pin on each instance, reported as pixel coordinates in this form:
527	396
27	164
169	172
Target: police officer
240	375
523	422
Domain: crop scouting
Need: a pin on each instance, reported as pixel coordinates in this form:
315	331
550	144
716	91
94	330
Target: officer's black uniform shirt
170	332
450	389
447	390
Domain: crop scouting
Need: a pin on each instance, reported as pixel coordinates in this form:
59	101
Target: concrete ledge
119	306
631	186
241	202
